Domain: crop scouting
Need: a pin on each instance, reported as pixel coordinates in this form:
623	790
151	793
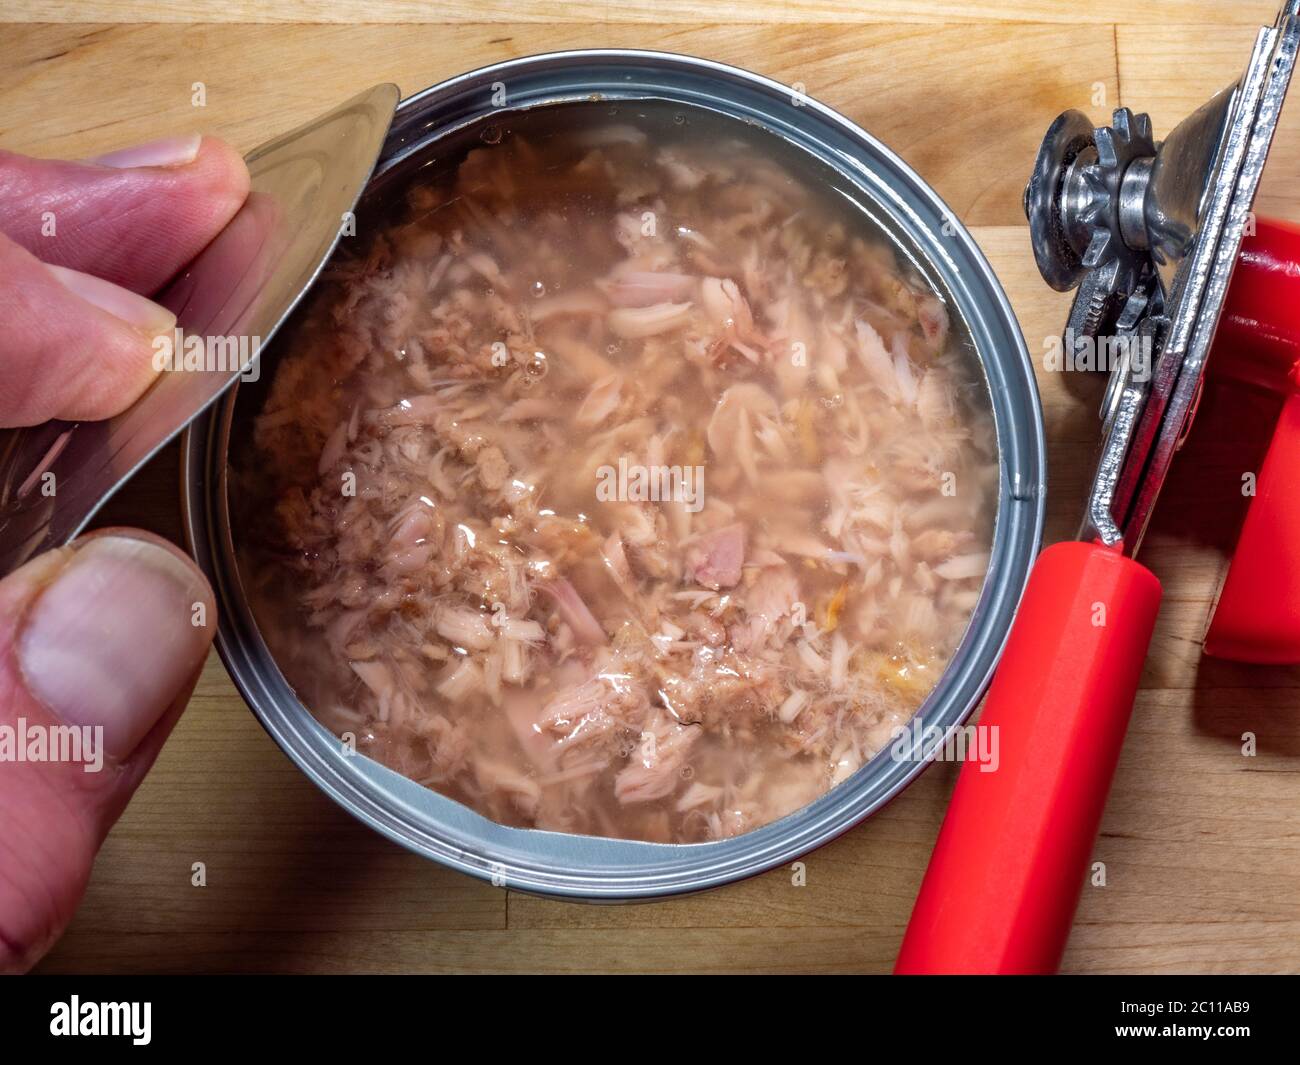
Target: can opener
1152	236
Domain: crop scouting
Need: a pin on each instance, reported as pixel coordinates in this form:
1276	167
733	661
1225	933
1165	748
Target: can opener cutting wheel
1151	235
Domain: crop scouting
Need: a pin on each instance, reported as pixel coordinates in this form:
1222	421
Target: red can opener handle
1257	618
1012	855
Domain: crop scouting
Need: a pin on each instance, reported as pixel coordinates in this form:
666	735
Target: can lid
228	303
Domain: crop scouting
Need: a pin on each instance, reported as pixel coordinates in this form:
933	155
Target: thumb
100	645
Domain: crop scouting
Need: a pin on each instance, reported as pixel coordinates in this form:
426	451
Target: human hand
100	635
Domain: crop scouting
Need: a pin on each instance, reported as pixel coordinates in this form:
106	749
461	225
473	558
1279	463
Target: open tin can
433	123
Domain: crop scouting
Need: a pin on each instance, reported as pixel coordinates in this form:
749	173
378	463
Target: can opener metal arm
1152	236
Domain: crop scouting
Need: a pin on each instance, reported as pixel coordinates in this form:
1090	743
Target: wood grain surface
1201	844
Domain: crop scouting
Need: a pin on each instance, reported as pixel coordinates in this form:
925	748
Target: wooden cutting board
1200	843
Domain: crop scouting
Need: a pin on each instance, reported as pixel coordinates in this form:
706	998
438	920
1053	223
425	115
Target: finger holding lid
73	346
134	217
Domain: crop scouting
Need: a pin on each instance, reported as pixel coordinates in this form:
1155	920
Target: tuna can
601	869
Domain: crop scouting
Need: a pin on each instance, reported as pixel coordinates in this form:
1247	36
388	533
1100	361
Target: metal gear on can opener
1072	202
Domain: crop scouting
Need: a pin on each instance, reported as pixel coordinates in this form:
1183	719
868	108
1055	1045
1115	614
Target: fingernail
145	315
168	151
113	638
